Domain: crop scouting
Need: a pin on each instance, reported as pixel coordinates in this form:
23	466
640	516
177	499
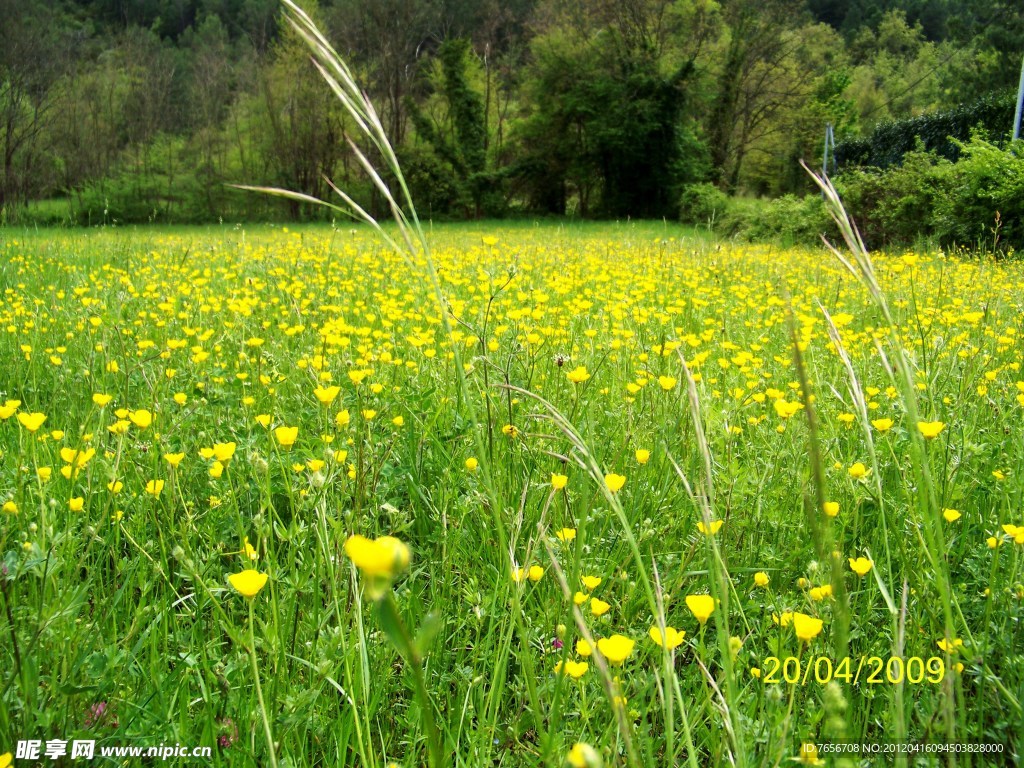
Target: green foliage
607	130
939	132
977	202
702	204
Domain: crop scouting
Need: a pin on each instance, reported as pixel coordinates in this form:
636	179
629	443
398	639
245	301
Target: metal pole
824	155
1020	104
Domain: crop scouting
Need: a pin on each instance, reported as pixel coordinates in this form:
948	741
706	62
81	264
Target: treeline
136	110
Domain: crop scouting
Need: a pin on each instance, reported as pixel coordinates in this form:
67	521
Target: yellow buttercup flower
860	565
671	638
536	573
31	421
858	471
806	627
583	756
174	459
558	481
574	669
286	436
709	530
614	482
472	464
566	534
701	606
831	508
223	452
326	395
951	515
598	607
153	487
930	429
761	579
591	582
578	375
76	504
248	583
141	419
378	560
642	456
667	383
102	400
616	649
882	425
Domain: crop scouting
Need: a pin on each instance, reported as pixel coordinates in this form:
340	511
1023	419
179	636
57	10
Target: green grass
126	603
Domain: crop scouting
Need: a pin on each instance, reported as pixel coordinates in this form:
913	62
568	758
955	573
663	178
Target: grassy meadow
651	499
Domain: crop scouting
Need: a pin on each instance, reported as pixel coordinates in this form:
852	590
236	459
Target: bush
895	207
702	204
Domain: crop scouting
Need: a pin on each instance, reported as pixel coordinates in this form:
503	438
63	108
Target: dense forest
137	110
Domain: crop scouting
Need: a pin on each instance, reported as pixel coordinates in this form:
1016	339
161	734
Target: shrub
702	204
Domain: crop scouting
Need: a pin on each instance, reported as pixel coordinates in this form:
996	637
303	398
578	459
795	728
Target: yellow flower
951	515
326	395
806	627
709	530
616	649
154	487
642	456
591	582
858	470
248	583
174	459
860	565
368	414
784	620
286	436
101	400
398	421
519	575
76	504
31	421
141	419
809	754
10	508
672	638
44	473
950	646
119	427
701	606
820	593
583	756
216	469
385	556
786	409
598	607
666	383
614	482
249	550
882	425
578	375
574	669
6	759
509	430
558	481
566	534
343	418
472	464
223	452
583	648
115	486
180	398
579	598
761	579
263	419
930	429
831	508
536	573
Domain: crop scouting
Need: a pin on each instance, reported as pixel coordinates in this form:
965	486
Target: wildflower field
625	497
